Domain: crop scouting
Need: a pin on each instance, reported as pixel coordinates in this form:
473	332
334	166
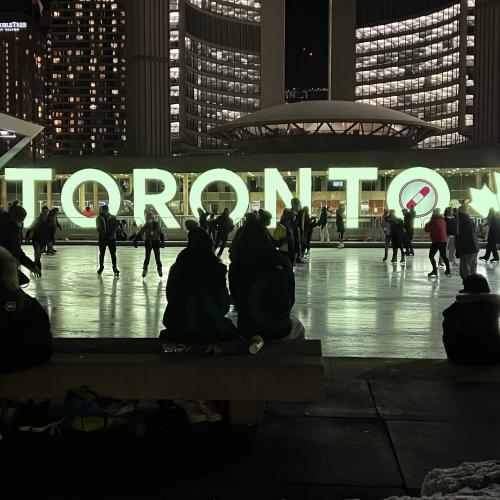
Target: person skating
11	223
323	225
493	224
385	224
154	239
467	244
212	226
54	225
298	229
39	234
224	225
398	235
310	224
107	226
436	228
409	221
339	222
88	212
450	217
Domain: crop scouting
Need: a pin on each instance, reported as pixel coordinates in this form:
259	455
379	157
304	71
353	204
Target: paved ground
354	303
369	440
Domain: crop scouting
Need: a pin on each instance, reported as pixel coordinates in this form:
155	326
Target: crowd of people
257	289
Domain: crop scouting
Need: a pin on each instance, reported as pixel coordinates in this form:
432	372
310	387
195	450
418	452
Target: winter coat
323	219
409	221
25	337
451	225
40	232
398	233
493	231
106	228
224	225
385	224
10	239
436	228
466	241
198	300
263	290
151	231
339	221
471	334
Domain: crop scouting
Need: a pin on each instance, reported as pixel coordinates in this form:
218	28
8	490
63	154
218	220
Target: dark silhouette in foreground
471	334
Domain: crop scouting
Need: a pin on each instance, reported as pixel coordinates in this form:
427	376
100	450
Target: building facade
86	75
22	70
423	65
226	60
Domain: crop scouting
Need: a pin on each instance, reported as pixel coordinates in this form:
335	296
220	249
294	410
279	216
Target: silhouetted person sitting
25	338
471	333
233	247
262	286
197	296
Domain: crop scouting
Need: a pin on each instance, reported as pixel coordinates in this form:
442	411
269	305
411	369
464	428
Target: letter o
220	175
80	177
408	185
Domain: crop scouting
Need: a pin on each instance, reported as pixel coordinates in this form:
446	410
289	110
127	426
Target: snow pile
469	481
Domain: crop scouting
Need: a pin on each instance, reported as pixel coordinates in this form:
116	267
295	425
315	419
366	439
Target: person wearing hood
437	230
107	225
154	239
11	223
25	337
467	246
262	286
197	295
493	224
471	334
39	234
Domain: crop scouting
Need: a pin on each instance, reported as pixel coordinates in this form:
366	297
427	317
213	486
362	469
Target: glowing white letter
274	185
80	177
220	175
158	200
28	177
421	188
353	176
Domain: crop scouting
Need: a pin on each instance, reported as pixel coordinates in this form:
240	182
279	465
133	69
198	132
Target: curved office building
217	67
422	65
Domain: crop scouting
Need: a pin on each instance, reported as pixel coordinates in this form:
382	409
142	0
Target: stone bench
139	369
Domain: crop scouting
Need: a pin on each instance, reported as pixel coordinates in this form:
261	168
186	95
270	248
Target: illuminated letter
220	175
158	200
274	185
89	175
353	176
28	177
421	188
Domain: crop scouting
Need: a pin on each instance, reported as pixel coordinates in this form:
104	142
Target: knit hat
476	283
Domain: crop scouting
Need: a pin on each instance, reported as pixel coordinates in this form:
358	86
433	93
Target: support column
81	197
185	194
3	193
49	194
95	196
342	50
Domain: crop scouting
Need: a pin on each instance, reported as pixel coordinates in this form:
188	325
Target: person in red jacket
436	228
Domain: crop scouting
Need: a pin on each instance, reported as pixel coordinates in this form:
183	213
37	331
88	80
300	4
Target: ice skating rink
356	304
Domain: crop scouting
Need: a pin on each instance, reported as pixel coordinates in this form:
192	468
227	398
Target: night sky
306	44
